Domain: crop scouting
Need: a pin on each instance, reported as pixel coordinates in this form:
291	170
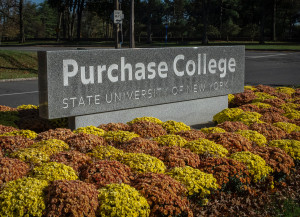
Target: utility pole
116	29
132	41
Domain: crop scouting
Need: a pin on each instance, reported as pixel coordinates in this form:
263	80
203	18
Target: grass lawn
18	64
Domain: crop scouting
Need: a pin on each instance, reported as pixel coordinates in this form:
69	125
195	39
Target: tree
21	21
230	29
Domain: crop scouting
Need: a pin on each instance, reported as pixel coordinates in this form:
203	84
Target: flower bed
247	164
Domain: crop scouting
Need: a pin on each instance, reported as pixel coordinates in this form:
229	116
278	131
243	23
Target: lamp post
166	38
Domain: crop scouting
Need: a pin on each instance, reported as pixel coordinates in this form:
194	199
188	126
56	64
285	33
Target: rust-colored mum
271	109
58	133
74	159
264	88
230	174
4	108
191	135
6	129
273	117
12	143
268	130
295	121
115	127
148	129
274	102
231	141
84	142
176	156
12	169
250	108
232	126
243	98
71	198
103	172
165	195
293	135
278	159
282	96
138	145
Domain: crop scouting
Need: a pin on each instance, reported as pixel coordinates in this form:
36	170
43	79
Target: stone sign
74	83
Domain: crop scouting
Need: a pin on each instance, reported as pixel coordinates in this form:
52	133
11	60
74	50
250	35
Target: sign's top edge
112	49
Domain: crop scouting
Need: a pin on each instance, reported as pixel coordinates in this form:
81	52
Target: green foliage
23	197
122	200
9	118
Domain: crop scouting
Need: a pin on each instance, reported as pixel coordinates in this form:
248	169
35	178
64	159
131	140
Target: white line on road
11	94
272	55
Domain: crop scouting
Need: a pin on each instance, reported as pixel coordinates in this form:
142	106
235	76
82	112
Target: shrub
10	144
84	142
249	87
149	119
9	118
174	126
12	169
287	127
59	123
119	136
115	127
268	130
250	108
90	130
289	107
191	135
139	145
71	198
243	98
54	171
176	156
25	133
279	160
256	165
6	129
23	197
148	129
170	140
209	130
286	90
207	148
142	163
292	147
232	126
230	98
106	152
72	158
231	141
58	133
277	102
227	115
103	172
294	114
272	110
198	183
4	108
293	136
165	195
254	136
248	118
231	175
261	105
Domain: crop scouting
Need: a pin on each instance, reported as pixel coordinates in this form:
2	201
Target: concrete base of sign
192	112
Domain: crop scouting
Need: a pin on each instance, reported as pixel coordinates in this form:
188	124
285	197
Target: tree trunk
79	17
262	24
274	21
58	26
205	21
132	40
21	16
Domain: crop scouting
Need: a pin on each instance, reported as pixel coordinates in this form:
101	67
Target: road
269	68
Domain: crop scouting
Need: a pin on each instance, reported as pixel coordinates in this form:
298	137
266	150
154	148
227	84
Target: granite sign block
82	82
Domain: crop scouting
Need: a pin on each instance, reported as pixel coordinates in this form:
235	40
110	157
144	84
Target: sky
37	1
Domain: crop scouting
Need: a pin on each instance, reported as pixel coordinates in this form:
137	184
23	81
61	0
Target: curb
18	79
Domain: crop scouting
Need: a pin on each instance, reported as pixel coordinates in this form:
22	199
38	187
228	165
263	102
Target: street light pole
116	29
132	41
